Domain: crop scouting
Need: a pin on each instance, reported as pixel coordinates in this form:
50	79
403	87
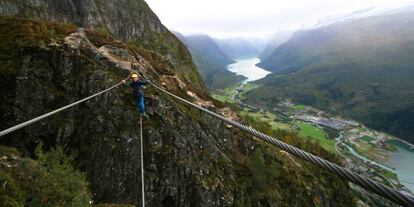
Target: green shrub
10	194
57	183
50	180
32	31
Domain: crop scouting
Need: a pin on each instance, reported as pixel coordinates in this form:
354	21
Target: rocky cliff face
127	20
124	19
191	159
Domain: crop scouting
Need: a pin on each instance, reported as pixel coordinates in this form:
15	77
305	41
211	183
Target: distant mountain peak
366	12
239	47
338	67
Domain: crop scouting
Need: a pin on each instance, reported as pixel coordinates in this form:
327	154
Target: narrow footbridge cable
14	128
365	182
142	166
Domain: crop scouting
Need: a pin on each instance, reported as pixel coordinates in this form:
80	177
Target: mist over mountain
258	42
208	47
361	68
363	13
211	62
212	56
278	39
53	53
239	47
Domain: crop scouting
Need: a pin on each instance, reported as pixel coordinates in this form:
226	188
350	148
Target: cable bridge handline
16	127
365	182
34	120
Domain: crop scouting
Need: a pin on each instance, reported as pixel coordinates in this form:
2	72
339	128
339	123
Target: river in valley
403	162
400	162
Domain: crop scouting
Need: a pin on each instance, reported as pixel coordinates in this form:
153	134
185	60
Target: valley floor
366	151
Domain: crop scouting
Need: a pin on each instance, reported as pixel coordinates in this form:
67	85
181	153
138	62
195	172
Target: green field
360	129
223	98
267	117
298	107
363	147
305	130
389	174
226	94
247	87
367	138
314	133
390	147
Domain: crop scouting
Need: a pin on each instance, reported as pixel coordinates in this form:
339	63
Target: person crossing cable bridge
138	92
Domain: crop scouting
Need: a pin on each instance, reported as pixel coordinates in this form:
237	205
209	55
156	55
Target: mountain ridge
116	18
237	47
205	44
358	68
210	61
191	159
278	39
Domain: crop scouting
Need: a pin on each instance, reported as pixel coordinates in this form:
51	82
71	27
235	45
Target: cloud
254	17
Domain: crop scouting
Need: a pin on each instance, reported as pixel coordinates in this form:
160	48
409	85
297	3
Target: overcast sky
223	18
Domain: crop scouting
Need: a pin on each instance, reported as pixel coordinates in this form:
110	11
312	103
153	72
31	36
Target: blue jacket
137	86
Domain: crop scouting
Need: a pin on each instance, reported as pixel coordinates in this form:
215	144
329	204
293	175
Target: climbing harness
142	166
365	182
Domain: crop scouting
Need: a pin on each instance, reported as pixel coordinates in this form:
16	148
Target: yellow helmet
134	75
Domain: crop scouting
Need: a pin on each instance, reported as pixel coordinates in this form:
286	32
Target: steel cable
142	166
365	182
14	128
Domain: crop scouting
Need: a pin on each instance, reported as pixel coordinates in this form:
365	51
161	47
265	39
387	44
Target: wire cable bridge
14	128
365	182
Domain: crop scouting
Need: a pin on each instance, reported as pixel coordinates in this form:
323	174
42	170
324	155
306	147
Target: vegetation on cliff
49	180
191	158
273	175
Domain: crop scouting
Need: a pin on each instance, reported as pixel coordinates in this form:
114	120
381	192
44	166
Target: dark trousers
139	102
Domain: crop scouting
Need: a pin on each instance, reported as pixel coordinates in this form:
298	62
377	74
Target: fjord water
402	161
247	68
